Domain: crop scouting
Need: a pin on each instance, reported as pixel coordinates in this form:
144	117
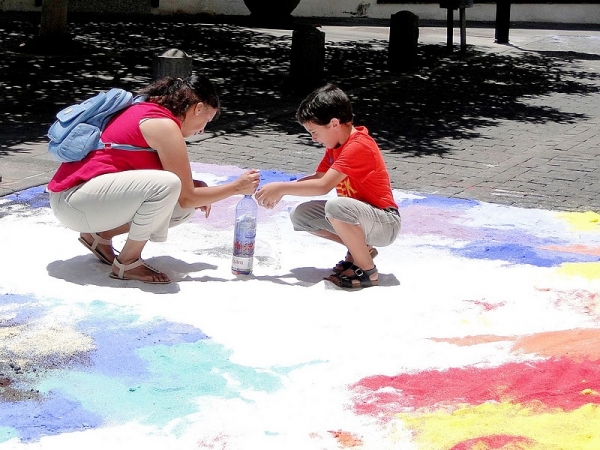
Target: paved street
513	124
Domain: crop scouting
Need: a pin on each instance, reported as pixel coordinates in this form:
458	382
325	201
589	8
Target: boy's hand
269	195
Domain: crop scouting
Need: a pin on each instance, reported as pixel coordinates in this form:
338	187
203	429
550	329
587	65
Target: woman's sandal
360	279
125	267
344	264
93	247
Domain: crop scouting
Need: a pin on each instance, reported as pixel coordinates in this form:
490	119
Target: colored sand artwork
483	334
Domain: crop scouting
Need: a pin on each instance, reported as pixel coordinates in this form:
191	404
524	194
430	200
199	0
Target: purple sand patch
115	329
18	314
222	214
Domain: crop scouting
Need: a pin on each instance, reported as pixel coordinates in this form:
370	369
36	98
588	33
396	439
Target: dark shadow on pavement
448	96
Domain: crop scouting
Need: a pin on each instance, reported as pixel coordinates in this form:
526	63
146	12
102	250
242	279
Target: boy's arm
316	184
310	177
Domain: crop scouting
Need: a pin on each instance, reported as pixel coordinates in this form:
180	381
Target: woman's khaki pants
147	199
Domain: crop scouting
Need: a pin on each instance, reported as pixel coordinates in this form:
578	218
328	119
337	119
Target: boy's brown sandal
344	264
360	279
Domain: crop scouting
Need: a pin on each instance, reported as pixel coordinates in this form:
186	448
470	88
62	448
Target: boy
364	213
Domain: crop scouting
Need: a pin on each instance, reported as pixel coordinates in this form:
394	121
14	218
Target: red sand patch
486	306
493	442
557	383
579	300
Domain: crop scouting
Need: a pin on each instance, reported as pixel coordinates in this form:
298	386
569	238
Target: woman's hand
248	182
206	208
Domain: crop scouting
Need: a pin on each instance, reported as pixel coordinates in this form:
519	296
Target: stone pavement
512	124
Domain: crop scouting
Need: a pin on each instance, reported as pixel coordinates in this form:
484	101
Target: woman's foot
138	270
100	247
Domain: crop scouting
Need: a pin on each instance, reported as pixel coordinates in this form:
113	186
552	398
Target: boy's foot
354	277
102	248
346	263
139	271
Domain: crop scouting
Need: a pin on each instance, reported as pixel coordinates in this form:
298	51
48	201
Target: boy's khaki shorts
381	227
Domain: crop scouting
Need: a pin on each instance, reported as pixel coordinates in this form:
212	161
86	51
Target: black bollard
403	42
308	59
172	63
502	21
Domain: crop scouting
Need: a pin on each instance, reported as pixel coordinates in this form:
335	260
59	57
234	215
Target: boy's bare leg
328	235
353	237
335	238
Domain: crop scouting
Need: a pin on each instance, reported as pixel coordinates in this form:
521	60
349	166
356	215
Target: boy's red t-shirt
124	128
367	178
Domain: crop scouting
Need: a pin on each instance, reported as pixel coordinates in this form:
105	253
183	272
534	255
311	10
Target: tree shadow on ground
449	95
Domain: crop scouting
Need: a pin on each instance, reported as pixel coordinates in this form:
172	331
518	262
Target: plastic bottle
244	237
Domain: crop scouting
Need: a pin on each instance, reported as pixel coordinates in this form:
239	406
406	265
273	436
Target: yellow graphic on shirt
345	189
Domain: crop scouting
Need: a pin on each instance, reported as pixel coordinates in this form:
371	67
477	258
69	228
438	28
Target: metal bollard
308	59
450	5
404	38
172	63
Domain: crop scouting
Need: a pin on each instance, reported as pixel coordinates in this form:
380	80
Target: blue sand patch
434	201
151	371
30	420
35	197
168	383
269	176
519	254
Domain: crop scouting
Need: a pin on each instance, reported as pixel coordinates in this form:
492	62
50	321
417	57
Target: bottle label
245	248
241	265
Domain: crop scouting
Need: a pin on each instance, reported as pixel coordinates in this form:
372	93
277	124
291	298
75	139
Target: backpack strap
111	145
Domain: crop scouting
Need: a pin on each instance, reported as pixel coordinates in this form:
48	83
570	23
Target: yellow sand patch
532	430
588	221
589	270
27	343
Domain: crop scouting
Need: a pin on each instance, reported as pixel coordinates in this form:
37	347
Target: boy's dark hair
178	94
323	104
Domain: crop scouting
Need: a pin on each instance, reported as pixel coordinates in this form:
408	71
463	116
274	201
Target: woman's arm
316	184
165	137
